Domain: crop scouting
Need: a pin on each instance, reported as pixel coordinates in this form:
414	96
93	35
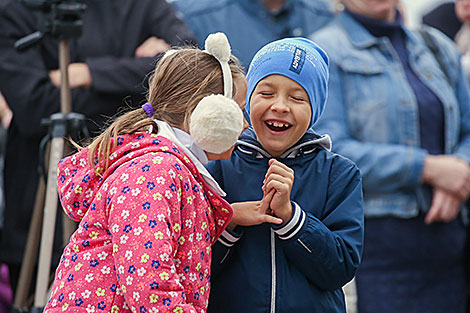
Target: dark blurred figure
454	20
393	111
462	38
109	62
250	24
6	294
443	17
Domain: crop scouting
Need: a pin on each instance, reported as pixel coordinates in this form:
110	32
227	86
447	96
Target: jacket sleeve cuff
414	173
462	156
229	237
293	225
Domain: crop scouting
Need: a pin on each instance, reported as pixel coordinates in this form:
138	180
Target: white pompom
217	44
216	123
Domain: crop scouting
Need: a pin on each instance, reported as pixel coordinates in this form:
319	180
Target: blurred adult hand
448	173
5	112
251	213
79	76
150	47
444	207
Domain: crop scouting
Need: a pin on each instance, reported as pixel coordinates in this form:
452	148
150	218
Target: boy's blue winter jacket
299	266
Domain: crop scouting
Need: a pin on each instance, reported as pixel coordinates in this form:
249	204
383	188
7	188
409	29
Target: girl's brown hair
181	79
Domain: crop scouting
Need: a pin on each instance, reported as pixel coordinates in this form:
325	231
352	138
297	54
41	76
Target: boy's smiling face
280	113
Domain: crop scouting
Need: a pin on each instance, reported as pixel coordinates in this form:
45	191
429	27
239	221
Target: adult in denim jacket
250	24
393	111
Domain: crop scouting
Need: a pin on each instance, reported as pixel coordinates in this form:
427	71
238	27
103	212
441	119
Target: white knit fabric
216	123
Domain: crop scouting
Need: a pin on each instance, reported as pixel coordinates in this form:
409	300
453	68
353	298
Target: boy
301	264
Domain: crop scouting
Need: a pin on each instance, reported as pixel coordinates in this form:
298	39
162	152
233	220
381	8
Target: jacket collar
248	144
362	39
257	8
358	34
195	153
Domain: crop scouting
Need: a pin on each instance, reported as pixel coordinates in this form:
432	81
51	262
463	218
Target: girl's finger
273	220
266	201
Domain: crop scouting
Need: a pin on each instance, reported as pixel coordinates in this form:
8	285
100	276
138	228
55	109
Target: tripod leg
48	226
30	255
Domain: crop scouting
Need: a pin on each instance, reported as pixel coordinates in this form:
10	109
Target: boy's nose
280	105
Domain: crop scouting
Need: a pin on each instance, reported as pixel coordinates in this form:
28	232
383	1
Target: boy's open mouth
277	126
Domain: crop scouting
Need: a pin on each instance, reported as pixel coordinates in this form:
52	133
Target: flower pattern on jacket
145	234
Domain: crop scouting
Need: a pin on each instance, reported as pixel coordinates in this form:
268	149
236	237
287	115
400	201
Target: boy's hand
251	213
280	178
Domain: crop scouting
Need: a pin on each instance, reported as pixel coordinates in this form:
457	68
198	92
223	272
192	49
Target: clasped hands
275	207
450	179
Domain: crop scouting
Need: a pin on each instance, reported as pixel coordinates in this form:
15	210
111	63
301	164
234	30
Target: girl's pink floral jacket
145	234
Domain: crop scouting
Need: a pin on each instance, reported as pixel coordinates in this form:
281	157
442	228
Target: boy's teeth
276	124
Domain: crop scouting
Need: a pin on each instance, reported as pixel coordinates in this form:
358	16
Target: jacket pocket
365	93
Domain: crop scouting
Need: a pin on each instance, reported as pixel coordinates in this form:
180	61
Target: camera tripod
61	19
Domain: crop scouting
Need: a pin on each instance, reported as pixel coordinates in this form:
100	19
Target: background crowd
398	107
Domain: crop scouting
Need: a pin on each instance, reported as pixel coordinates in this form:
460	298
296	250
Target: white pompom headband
217	121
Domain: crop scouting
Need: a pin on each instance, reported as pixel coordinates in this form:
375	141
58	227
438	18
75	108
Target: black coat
112	31
443	17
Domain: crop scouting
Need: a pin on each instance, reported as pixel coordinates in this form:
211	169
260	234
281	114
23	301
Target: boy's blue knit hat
299	59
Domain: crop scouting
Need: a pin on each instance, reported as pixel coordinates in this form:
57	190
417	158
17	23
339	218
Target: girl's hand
279	178
251	213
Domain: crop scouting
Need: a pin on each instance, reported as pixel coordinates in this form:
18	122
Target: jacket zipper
273	272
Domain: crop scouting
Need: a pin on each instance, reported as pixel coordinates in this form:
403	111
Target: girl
148	210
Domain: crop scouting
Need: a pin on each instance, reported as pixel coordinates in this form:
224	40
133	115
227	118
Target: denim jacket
372	113
249	25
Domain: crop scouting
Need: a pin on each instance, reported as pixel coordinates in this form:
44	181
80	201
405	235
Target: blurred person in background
109	62
453	19
250	24
443	17
462	38
392	110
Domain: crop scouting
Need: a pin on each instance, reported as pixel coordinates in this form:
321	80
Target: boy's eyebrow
299	89
268	84
265	83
